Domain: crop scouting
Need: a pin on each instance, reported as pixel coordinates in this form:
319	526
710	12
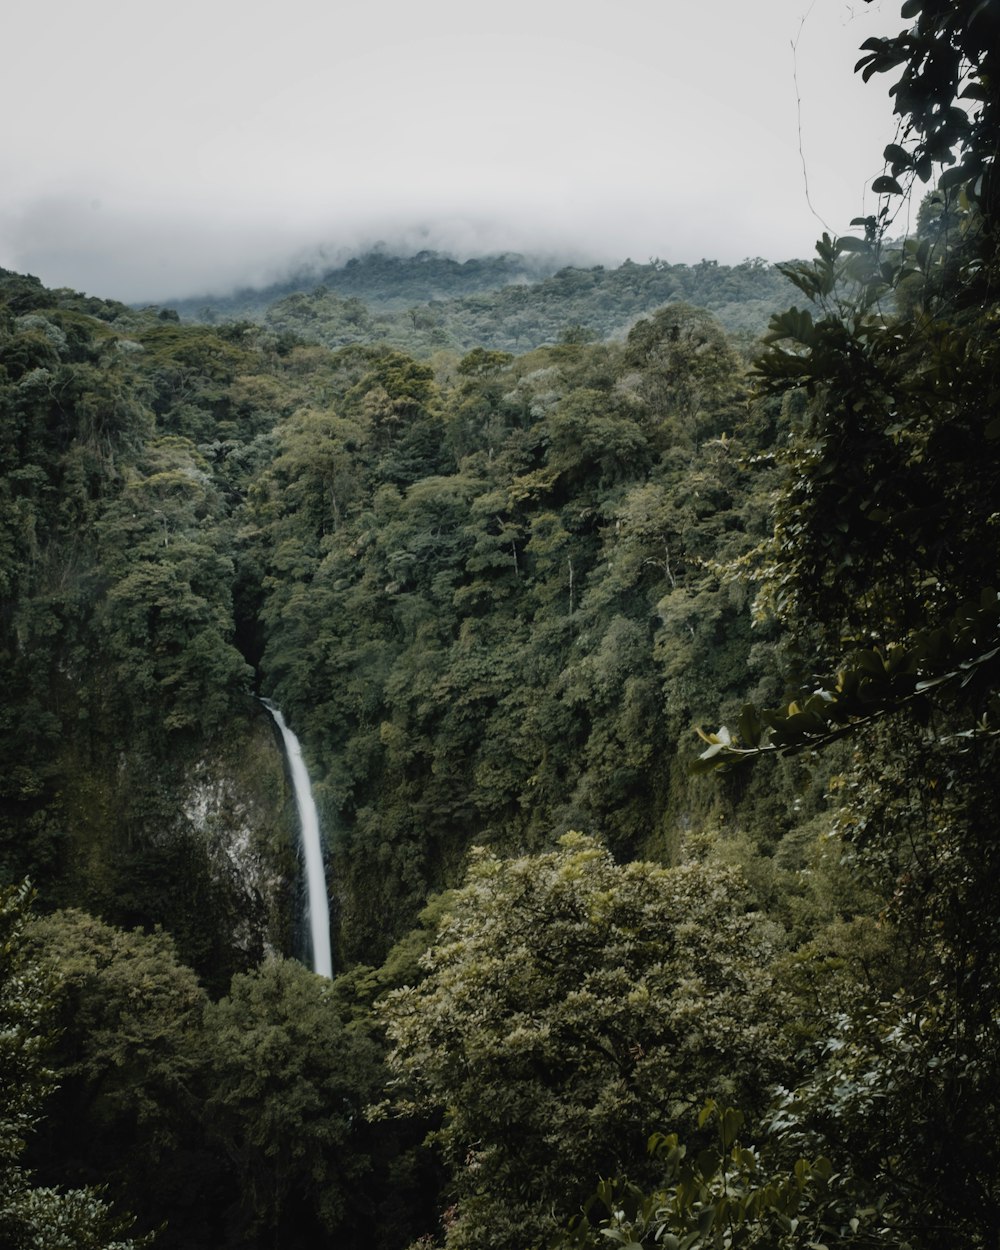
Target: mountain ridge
429	302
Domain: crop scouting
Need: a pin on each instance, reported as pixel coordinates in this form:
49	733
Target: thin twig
798	113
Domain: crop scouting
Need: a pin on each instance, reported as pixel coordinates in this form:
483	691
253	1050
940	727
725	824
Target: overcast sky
152	150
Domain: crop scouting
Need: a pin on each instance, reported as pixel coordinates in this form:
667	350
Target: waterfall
317	905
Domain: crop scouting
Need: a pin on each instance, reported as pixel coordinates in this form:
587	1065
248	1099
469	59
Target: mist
151	257
225	147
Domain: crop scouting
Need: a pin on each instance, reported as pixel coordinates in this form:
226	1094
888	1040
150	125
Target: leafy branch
724	1195
959	657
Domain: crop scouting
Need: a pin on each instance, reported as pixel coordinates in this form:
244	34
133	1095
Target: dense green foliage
731	1195
568	1001
494	593
503	582
482	593
377	278
884	559
31	1214
429	303
117	632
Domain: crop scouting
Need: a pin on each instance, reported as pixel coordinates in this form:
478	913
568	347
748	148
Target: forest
428	303
641	630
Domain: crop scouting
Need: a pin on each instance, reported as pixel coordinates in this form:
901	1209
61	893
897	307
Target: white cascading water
318	905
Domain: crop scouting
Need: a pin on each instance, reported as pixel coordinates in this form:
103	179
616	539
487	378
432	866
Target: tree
289	1084
949	56
690	376
885	544
883	564
32	1215
130	1062
567	1002
728	1194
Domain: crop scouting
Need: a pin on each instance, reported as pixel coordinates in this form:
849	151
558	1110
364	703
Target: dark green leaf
750	726
953	177
706	1220
897	157
732	1122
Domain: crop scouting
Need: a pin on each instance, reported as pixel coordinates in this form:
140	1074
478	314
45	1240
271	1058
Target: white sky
151	150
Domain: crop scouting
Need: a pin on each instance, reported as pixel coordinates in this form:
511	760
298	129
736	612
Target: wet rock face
234	808
200	841
233	833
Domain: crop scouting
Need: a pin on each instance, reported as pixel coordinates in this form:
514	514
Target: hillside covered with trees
430	303
597	979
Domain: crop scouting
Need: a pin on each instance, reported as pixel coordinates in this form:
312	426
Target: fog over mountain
228	145
157	258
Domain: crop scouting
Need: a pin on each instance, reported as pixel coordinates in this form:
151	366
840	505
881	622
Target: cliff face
199	839
235	806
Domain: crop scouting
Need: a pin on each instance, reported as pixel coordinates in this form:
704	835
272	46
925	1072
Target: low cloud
239	146
144	255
